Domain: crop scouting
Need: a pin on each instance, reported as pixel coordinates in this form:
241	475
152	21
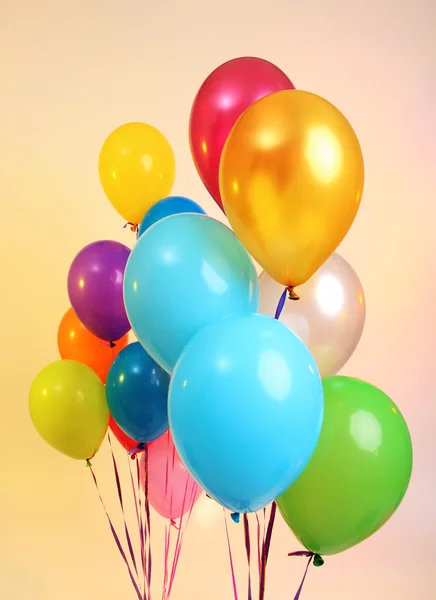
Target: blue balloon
173	205
245	409
137	394
185	272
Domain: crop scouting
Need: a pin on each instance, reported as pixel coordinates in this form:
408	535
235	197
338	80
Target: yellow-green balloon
68	407
358	474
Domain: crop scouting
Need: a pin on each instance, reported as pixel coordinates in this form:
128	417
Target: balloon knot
139	448
236	517
88	463
292	295
318	560
112	345
174	524
133	226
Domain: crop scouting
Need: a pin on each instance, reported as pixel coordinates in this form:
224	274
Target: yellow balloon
291	180
68	407
136	168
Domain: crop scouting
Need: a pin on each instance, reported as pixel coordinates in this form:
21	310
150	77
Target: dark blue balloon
173	205
137	394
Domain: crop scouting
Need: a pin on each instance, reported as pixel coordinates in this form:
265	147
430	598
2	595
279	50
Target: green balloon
358	474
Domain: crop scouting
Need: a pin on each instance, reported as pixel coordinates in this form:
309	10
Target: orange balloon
75	342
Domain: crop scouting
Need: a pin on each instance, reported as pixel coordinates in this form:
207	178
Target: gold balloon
291	180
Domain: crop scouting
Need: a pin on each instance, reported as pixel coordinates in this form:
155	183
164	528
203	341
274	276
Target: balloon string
259	559
114	534
137	449
166	557
179	535
310	556
281	304
248	551
142	531
109	345
135	498
133	226
232	568
148	520
167	528
169	522
120	498
181	531
138	509
318	561
265	551
177	553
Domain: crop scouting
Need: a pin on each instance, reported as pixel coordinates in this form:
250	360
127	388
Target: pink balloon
221	100
171	489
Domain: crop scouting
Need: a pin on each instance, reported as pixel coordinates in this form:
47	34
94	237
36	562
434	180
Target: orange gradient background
73	71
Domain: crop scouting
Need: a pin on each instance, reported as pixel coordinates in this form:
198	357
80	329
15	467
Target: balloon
68	408
78	343
185	272
358	474
171	490
137	168
137	394
95	288
245	409
173	205
126	442
221	100
330	315
291	179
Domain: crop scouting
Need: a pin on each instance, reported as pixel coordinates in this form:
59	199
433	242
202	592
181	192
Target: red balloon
221	100
126	441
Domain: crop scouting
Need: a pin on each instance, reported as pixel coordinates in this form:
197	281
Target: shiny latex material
224	96
173	205
171	489
245	408
75	342
68	408
291	180
136	168
358	474
137	394
95	289
126	442
329	316
185	272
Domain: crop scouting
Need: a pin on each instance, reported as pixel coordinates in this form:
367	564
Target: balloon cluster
244	379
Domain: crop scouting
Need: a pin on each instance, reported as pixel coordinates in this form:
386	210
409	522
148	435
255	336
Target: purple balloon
95	288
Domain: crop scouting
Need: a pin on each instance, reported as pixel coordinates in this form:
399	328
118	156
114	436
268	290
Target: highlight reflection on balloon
136	168
358	474
291	180
95	288
224	96
76	342
329	316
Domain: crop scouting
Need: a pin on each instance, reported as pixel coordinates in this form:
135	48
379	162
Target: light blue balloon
173	205
245	410
184	273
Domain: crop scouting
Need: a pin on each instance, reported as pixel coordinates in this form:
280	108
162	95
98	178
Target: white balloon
329	316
